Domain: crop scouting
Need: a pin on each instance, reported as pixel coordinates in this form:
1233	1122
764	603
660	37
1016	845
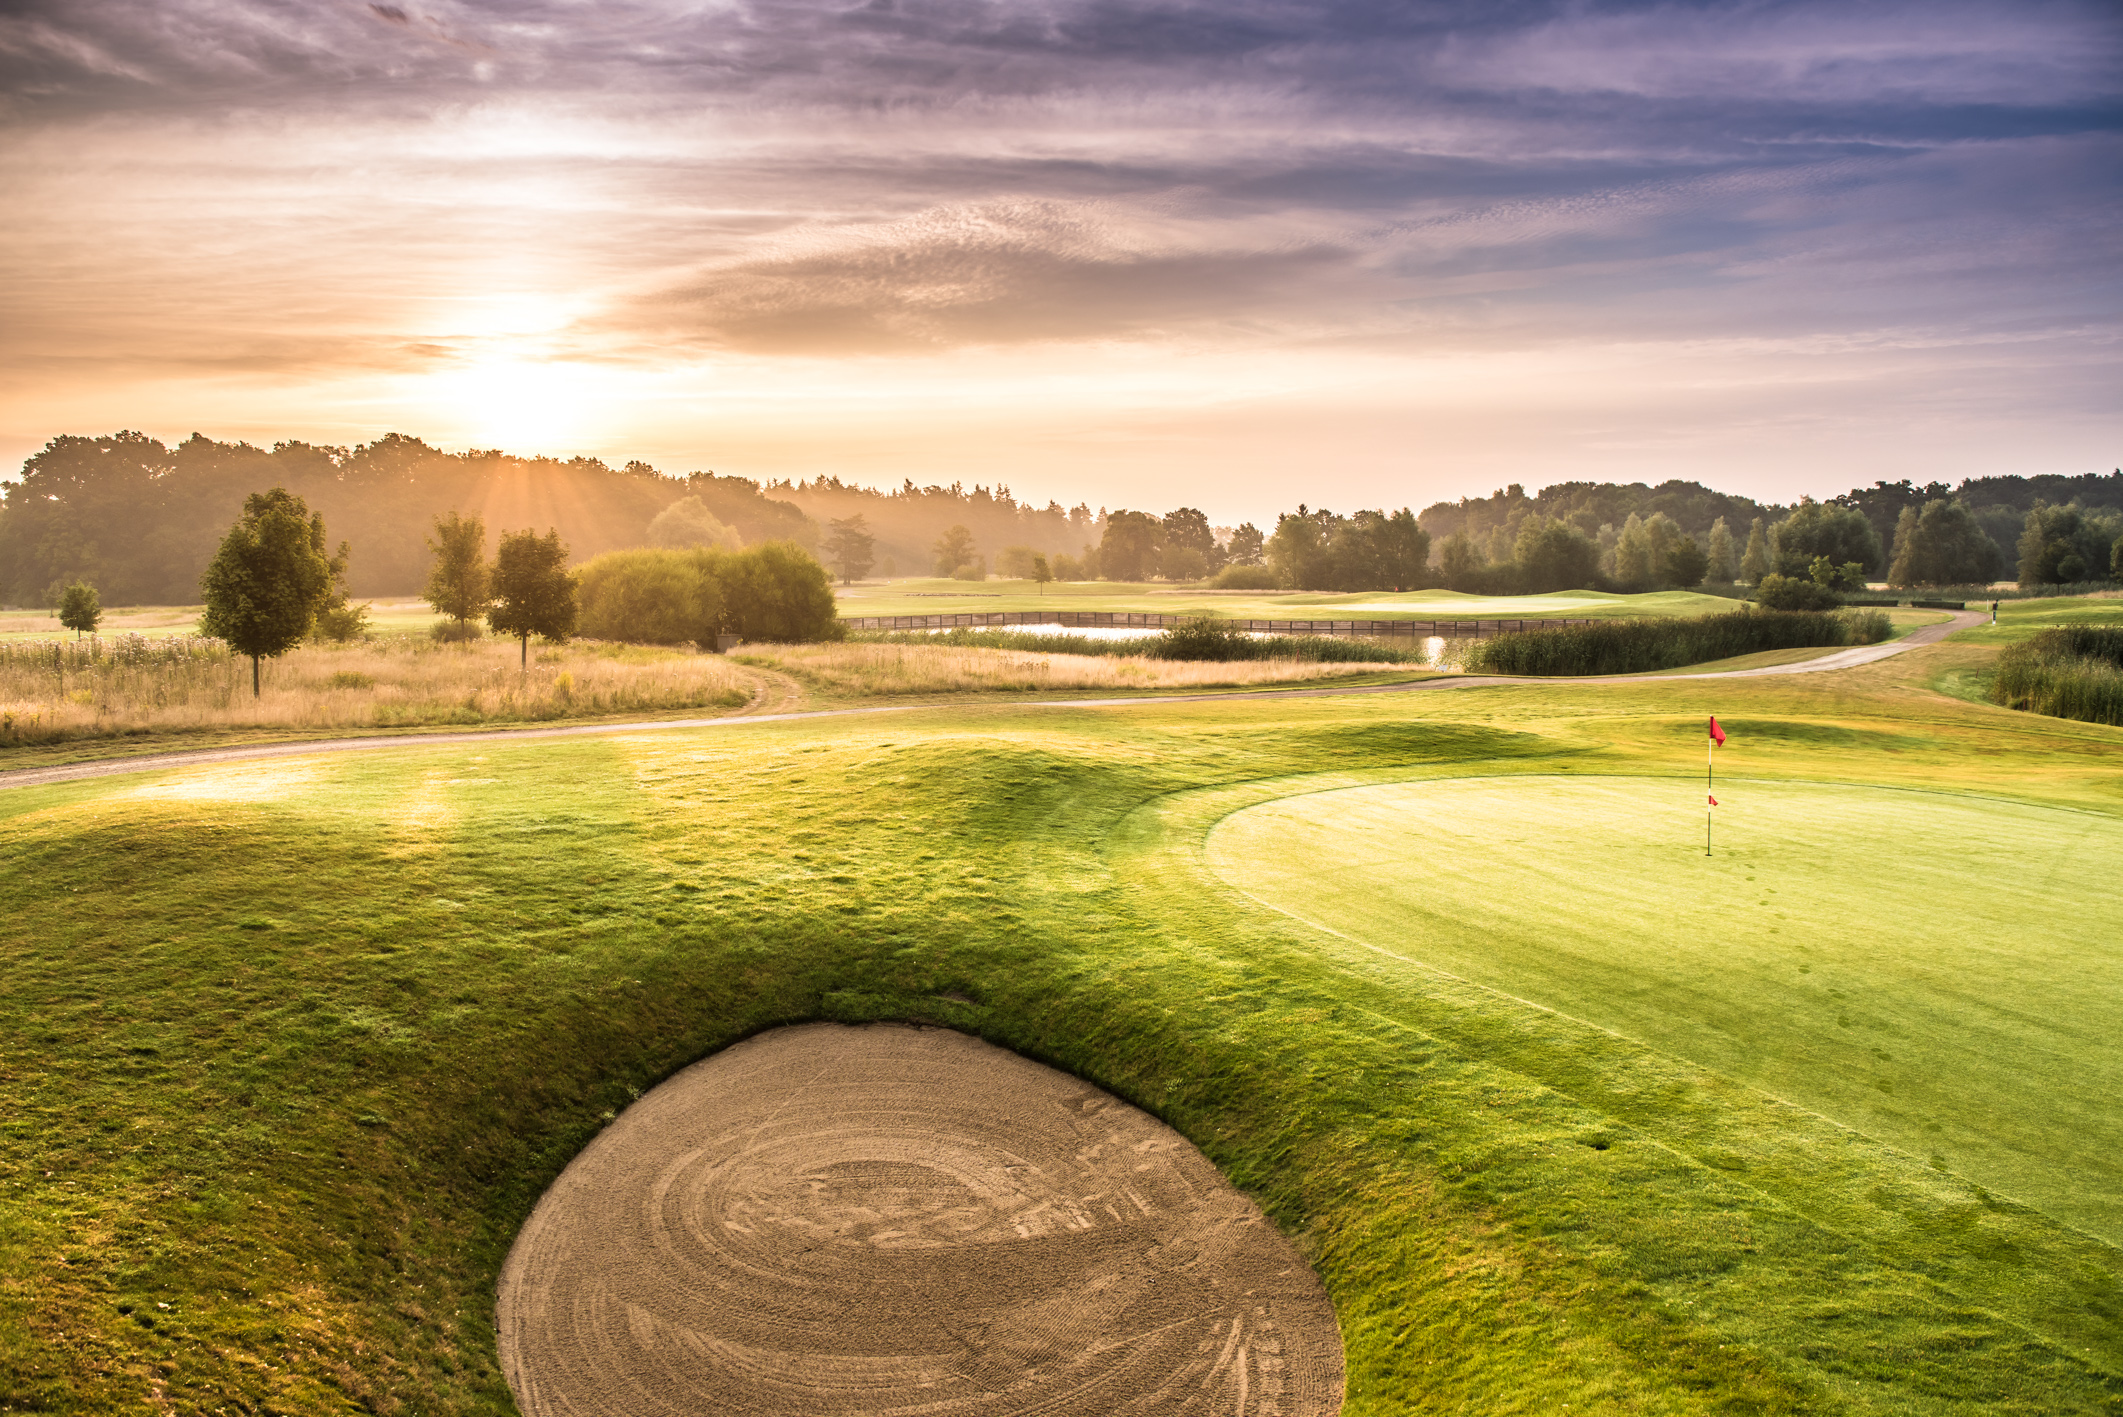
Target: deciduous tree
1755	563
533	592
269	579
80	609
1553	555
952	550
457	583
1686	564
849	546
1246	545
1941	544
1129	549
1723	564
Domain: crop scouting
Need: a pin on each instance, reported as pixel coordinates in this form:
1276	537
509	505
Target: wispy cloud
296	193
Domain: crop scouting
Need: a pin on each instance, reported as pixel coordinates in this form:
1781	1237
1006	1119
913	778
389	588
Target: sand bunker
888	1220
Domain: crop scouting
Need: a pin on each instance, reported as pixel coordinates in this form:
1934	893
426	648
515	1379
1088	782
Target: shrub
1204	637
1638	646
972	571
1793	593
344	623
776	592
2074	672
456	632
1244	578
660	597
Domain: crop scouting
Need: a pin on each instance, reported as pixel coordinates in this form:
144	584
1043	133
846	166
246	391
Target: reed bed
1187	641
882	669
2072	672
1640	646
58	690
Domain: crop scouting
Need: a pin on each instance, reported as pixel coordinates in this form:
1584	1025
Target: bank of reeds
59	690
1641	646
881	668
2072	672
1187	641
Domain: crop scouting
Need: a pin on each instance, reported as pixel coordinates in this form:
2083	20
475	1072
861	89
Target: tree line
138	522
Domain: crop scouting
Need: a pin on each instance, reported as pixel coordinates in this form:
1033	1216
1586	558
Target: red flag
1717	734
1713	800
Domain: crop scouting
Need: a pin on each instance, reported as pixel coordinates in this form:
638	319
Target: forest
139	521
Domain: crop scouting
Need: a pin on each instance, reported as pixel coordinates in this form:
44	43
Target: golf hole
836	1220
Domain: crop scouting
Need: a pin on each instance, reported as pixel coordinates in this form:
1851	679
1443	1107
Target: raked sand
831	1220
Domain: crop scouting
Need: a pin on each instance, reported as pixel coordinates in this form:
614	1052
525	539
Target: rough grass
332	1025
898	667
59	691
1642	646
2068	672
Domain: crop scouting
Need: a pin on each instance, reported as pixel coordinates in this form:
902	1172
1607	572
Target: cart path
155	762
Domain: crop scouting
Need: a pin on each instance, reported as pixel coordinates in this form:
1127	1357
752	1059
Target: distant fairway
1943	972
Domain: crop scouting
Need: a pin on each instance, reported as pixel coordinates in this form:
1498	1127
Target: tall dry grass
55	691
865	670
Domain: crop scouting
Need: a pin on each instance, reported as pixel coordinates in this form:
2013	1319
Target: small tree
533	592
1686	564
457	585
267	583
850	547
1754	562
340	620
952	550
80	609
1723	562
1042	574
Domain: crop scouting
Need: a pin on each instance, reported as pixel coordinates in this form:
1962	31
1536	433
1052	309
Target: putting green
1943	972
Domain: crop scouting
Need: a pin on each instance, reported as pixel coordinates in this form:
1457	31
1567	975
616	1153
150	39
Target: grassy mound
1641	646
275	1106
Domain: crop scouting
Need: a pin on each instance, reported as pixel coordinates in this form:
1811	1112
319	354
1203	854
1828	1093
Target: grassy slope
333	1024
945	597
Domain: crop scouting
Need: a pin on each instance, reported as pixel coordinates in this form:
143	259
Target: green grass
1953	992
292	1046
947	597
390	617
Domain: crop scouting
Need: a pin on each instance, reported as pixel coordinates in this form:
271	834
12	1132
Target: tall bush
1639	646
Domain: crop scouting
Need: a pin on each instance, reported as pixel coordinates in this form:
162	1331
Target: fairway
1940	971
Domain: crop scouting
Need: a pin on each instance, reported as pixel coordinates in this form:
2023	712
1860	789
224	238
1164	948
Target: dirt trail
763	709
831	1220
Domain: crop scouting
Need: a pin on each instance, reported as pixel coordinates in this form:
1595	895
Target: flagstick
1710	752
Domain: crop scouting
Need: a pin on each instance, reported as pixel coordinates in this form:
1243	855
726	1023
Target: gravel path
153	762
837	1221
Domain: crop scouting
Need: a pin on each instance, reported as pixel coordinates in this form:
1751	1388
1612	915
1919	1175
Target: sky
1233	254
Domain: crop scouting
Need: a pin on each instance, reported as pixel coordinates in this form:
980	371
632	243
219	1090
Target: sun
514	404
